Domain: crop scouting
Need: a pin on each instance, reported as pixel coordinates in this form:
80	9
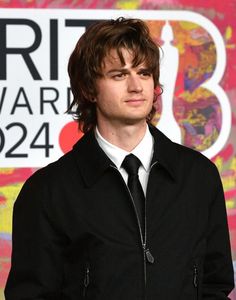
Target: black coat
76	234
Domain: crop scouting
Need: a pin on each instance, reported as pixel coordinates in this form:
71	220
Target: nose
134	84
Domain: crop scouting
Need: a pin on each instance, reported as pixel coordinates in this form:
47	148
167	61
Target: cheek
149	87
150	93
106	89
109	95
105	101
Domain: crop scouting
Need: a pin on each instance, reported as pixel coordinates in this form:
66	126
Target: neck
124	137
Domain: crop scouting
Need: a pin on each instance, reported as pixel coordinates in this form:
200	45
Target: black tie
131	164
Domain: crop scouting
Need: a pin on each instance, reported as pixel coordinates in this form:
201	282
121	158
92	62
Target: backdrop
197	108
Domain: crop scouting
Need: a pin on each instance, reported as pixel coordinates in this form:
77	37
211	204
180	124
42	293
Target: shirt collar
144	150
93	163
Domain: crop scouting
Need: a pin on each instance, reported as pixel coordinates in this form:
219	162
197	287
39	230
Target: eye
145	73
119	76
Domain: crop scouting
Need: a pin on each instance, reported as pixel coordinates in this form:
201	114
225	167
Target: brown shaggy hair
85	63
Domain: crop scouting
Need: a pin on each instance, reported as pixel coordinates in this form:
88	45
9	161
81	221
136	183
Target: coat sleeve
218	275
37	255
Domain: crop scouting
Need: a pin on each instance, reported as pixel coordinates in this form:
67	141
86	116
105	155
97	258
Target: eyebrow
124	70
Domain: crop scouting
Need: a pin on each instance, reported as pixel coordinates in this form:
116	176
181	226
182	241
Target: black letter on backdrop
79	23
17	104
50	101
25	52
2	98
53	49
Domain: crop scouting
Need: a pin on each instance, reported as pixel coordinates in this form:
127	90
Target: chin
135	121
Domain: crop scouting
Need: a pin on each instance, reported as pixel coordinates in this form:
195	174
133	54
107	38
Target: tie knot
131	164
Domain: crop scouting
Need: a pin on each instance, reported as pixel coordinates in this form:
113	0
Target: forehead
112	59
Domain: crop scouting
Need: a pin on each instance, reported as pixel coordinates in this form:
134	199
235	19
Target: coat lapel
163	178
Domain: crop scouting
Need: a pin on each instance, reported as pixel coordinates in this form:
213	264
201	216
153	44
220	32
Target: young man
87	227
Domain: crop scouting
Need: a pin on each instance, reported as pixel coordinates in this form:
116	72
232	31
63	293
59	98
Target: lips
134	100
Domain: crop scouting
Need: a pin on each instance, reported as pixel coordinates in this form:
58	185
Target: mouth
135	101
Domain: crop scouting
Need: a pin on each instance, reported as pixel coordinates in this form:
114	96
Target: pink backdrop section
198	112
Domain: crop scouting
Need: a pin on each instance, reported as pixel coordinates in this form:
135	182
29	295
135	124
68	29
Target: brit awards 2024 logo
34	88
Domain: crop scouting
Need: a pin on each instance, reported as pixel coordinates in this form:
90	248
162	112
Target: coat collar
93	162
91	159
164	152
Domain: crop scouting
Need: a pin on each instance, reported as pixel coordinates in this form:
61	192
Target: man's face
124	93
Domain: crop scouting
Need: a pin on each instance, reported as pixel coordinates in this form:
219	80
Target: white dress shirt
144	151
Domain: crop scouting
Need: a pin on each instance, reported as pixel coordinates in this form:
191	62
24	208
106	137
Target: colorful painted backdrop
196	109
